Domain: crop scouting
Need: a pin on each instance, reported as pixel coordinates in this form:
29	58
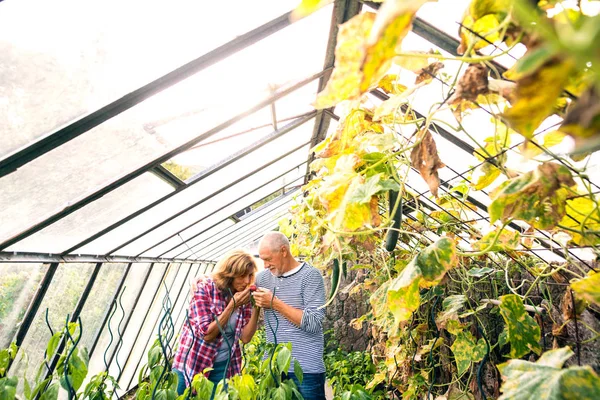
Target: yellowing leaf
307	7
390	85
425	270
537	197
412	63
403	295
523	331
380	53
550	139
588	288
350	51
467	350
436	259
424	157
547	380
485	175
507	240
536	95
582	210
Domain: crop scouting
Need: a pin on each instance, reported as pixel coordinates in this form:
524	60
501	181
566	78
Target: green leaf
588	288
284	358
523	332
403	294
373	185
53	344
479	272
451	305
8	388
545	380
530	62
298	371
467	350
51	393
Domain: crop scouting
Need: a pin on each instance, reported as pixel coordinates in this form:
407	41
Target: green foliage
349	373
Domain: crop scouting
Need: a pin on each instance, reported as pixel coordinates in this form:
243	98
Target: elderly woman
226	297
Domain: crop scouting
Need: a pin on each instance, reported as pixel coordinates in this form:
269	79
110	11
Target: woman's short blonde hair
234	264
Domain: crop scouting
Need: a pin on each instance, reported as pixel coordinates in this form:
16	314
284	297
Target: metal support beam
199	177
6	257
167	176
49	142
134	174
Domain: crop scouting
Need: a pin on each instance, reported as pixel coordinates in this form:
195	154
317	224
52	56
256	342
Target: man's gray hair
274	241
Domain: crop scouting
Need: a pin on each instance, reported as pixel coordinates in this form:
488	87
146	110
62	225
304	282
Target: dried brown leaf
424	157
426	75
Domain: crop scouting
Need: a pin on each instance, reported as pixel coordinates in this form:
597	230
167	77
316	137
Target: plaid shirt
208	300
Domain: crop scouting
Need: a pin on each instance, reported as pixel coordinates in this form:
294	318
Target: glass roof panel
239	234
212	213
214	234
103	61
121	144
207	207
96	216
200	190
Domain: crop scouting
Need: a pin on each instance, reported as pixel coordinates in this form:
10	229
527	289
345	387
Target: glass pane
240	234
61	298
141	331
18	285
209	214
103	62
136	318
200	190
96	216
127	296
212	233
122	144
151	326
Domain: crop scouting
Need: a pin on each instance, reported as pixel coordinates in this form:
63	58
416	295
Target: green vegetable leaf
298	371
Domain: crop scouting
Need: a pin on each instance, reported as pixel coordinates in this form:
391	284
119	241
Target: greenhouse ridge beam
198	178
134	174
20	157
210	196
7	256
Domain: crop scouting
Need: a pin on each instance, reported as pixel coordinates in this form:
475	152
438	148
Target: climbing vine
459	292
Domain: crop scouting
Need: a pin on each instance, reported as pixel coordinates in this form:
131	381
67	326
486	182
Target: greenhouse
433	163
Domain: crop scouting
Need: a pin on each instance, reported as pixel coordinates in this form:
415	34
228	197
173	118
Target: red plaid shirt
208	300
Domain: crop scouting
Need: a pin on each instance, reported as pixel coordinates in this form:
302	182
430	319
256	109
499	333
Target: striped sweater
304	290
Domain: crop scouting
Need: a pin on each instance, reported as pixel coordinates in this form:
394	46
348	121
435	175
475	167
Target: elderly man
299	292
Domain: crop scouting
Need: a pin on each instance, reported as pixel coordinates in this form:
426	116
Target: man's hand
262	297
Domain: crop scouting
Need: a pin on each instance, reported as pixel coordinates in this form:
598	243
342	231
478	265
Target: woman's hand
241	298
